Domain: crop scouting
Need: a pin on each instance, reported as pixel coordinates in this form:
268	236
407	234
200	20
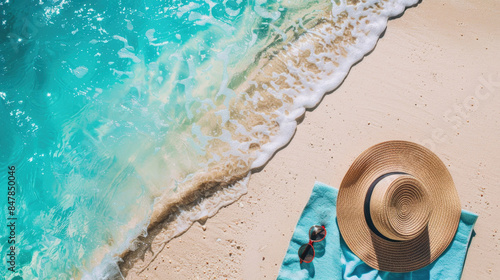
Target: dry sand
433	78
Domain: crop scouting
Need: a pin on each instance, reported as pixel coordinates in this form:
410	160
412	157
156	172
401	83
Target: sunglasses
306	251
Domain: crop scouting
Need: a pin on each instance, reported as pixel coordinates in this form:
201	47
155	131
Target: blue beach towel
334	260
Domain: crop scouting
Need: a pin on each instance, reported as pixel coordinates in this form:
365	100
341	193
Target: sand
434	79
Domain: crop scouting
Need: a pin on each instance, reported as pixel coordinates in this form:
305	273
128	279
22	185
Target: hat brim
389	255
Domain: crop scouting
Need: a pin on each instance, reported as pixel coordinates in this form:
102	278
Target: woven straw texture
398	208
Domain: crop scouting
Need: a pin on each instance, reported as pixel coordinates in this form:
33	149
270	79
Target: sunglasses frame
311	243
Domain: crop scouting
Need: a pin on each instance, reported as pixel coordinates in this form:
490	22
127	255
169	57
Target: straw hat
397	207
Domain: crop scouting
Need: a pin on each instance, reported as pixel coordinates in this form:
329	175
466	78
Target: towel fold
334	260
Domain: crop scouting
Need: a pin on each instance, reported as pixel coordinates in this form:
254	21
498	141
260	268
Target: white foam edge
109	266
289	123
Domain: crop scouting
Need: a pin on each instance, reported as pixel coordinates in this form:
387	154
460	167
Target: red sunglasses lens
306	253
317	233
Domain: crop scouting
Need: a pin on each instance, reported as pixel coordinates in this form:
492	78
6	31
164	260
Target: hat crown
399	206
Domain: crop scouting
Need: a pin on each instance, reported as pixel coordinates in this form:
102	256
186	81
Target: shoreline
337	44
241	253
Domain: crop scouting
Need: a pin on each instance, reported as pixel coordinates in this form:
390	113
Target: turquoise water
107	105
95	92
